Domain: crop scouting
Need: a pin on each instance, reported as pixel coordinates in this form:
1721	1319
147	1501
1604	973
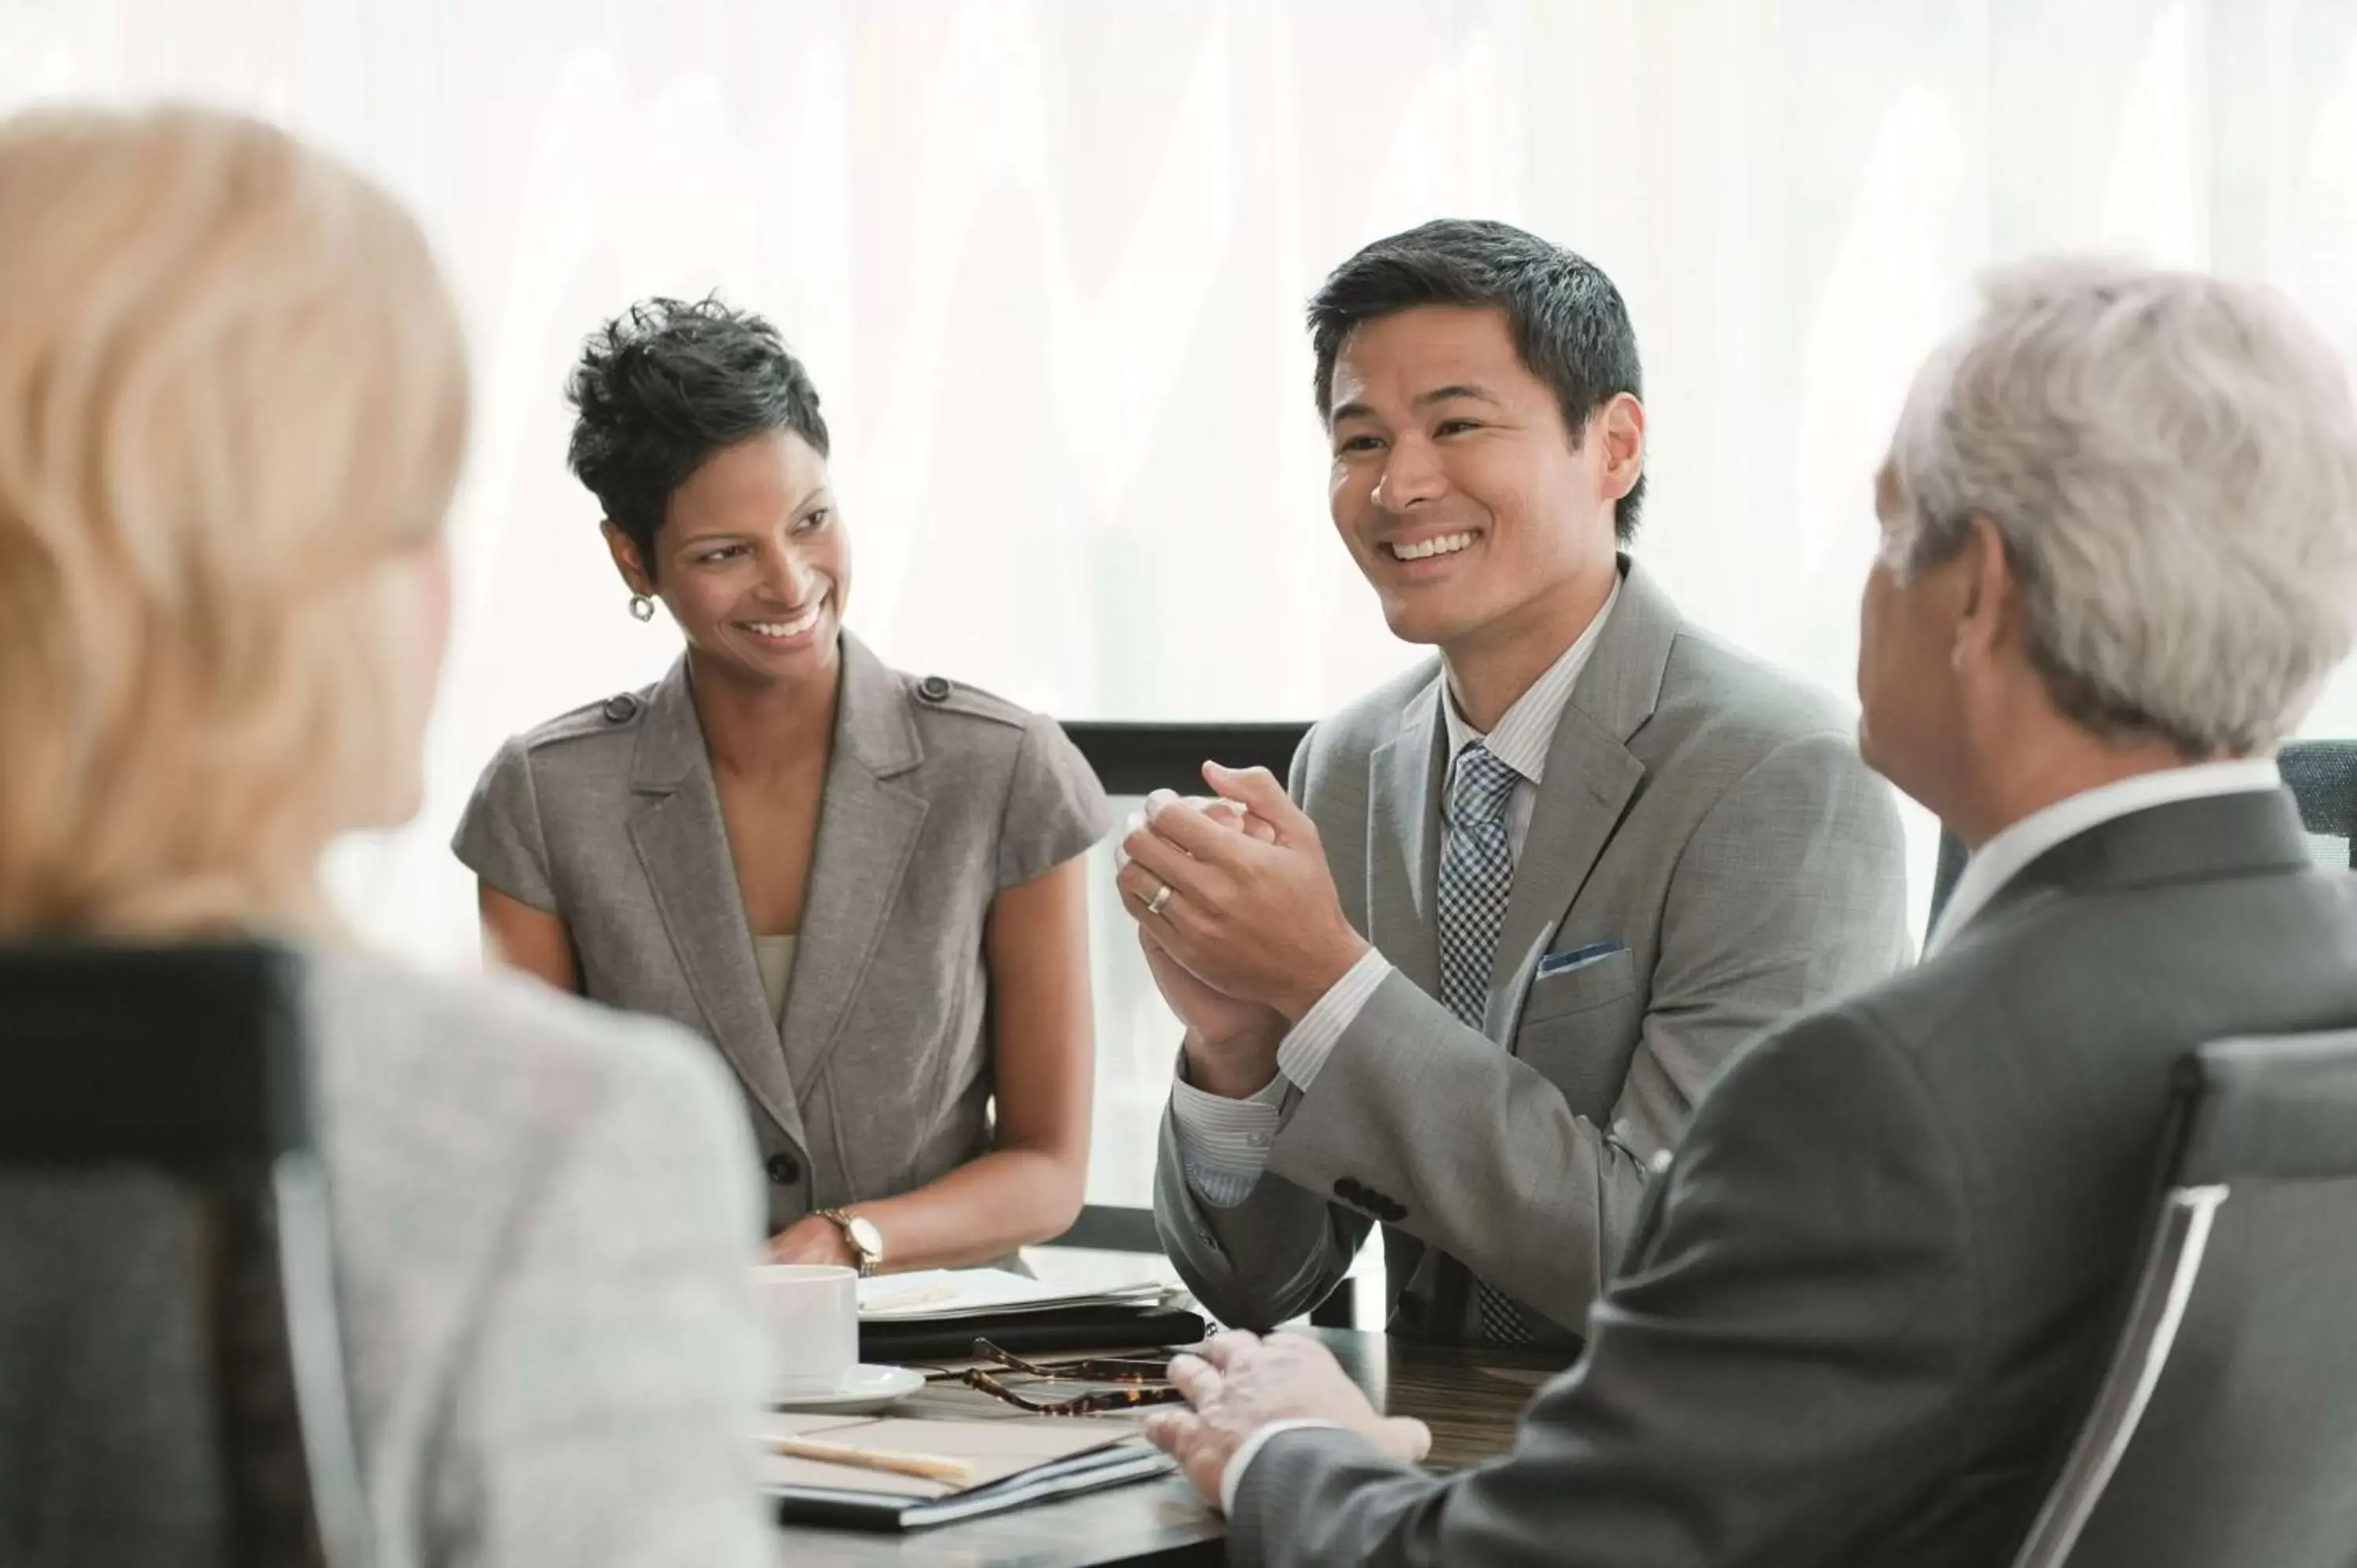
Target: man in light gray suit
1866	1308
1524	899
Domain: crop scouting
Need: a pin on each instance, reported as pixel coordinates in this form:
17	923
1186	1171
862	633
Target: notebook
1016	1463
965	1293
936	1314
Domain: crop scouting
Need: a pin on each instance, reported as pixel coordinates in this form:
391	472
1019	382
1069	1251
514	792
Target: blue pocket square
1579	957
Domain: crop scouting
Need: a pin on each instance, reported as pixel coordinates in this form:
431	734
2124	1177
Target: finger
1171	1430
1176	821
1140	884
1229	814
1257	790
1168	862
1223	1349
1408	1437
1195	1378
1133	823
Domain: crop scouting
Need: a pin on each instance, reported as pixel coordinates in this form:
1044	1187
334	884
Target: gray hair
2171	460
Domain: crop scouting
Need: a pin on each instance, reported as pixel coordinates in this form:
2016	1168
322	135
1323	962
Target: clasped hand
1235	893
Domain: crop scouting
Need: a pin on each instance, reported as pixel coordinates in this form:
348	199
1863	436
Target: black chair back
2225	1431
2321	774
171	1379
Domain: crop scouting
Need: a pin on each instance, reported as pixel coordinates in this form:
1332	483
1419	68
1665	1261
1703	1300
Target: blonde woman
234	403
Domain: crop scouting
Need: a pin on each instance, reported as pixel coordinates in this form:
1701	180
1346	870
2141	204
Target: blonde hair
233	392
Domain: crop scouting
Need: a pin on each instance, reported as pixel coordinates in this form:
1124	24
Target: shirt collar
1527	729
2002	858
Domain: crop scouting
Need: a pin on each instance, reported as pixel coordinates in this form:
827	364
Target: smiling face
1456	485
751	562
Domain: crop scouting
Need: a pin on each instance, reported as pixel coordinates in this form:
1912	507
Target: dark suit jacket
1861	1317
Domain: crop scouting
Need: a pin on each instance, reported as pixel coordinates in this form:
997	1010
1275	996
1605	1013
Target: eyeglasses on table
1140	1379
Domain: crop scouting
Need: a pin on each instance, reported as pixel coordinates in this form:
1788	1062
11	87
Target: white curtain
1047	262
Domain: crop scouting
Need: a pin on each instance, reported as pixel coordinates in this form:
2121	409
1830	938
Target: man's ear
1620	426
1992	606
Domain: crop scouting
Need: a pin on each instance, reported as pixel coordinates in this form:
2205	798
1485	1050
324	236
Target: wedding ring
1155	904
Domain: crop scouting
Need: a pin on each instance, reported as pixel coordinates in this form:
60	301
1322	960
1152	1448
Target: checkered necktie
1477	871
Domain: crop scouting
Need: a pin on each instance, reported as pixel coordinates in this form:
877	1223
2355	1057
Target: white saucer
864	1389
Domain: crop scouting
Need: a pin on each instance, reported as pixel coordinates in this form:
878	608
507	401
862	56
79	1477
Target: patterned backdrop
1046	262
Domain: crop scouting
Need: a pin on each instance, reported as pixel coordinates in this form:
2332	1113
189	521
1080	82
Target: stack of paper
972	1293
940	1313
1009	1463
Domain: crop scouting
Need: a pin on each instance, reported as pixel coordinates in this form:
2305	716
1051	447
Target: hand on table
1241	1382
813	1239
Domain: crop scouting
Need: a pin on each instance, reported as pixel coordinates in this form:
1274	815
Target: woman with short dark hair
862	887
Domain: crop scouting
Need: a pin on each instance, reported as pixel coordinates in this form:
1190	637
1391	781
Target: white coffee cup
812	1313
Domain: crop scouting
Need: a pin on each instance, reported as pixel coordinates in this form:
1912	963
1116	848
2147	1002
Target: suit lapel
1404	840
867	830
683	847
1591	776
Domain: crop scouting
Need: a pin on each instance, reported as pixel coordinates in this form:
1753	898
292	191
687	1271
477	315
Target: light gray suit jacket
879	1077
1706	815
543	1218
1867	1309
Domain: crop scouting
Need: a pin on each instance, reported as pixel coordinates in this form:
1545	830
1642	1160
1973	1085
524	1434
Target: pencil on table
924	1466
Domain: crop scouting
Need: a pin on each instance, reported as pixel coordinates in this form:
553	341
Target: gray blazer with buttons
1705	824
877	1079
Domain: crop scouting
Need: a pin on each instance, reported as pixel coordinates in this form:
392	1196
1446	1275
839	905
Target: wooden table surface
1468	1398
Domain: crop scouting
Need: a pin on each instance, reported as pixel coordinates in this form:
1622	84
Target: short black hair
1570	327
664	386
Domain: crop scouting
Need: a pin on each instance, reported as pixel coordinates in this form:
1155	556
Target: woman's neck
757	729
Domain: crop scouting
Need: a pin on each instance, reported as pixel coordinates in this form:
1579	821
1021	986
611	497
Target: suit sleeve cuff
1231	1479
1222	1143
1303	1051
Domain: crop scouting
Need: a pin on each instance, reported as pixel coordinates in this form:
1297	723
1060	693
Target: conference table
1468	1396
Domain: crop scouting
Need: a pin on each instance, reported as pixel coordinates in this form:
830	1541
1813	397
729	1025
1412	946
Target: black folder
1102	1326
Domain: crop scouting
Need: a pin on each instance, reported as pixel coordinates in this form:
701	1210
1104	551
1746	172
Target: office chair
171	1379
2321	774
2226	1430
1135	760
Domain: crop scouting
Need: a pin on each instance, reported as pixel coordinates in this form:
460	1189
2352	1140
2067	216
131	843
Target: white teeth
1447	544
783	628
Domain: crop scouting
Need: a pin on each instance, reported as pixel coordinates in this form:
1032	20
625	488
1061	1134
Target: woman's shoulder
597	733
965	713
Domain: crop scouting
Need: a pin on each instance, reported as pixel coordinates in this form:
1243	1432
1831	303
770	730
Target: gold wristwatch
866	1242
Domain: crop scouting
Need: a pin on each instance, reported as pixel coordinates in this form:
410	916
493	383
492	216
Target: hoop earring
642	607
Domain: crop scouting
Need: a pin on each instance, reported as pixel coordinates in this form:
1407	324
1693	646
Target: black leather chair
2321	774
1134	760
2225	1431
171	1379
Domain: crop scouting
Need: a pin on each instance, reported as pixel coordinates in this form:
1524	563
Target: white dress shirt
1223	1144
2005	856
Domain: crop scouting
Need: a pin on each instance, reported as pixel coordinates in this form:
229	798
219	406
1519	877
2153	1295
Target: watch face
866	1238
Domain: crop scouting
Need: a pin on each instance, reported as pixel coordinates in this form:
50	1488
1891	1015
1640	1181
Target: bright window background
1047	262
